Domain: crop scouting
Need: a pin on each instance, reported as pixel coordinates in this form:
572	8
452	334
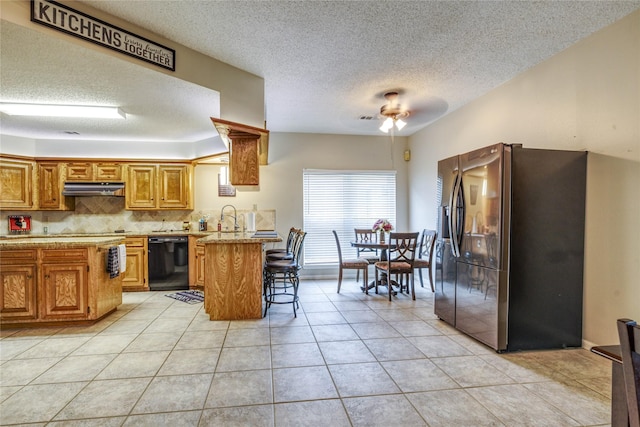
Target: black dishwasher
168	263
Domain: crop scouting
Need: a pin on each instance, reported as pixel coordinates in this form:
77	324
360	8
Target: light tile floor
348	360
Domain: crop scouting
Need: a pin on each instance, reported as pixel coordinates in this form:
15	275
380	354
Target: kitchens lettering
76	23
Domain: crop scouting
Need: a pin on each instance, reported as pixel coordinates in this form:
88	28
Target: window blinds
342	201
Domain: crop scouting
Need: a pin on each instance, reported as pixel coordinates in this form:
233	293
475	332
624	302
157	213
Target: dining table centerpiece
382	226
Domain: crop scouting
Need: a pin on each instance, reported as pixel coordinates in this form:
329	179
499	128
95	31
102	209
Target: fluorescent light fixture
51	110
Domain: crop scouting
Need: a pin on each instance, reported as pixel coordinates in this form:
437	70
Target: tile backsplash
107	214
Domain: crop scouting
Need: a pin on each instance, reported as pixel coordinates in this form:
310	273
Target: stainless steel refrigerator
510	248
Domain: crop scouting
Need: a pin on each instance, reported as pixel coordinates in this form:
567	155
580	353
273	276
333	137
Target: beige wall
281	180
585	98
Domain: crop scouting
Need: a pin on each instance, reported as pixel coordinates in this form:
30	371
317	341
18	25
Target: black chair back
629	333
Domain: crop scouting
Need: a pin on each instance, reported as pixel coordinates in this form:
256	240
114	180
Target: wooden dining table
382	247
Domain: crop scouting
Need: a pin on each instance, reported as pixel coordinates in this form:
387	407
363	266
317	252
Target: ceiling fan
414	111
393	112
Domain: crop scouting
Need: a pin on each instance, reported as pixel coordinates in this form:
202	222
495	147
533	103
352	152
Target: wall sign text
81	25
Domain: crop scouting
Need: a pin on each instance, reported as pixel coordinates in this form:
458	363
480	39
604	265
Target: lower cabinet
56	285
136	276
64	291
196	263
18	295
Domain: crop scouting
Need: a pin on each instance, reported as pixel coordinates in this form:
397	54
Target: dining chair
286	272
401	254
370	254
629	333
351	264
425	255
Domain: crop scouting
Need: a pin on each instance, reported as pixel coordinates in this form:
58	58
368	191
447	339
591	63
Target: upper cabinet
248	149
94	171
16	184
50	188
163	186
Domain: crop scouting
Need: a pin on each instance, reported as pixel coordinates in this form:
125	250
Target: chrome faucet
236	227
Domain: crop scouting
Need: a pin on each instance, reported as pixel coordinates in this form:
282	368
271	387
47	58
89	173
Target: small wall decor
19	224
225	189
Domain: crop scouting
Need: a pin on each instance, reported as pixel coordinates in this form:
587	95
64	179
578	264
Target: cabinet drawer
135	241
68	255
18	255
108	172
79	172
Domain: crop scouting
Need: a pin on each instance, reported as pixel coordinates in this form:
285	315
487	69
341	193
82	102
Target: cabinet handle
29	276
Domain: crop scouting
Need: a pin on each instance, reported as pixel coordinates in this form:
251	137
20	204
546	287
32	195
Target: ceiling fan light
50	110
386	125
400	124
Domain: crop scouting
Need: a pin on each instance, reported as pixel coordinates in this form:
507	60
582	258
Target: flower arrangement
382	225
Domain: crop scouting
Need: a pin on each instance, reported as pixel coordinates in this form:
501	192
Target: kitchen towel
122	258
112	262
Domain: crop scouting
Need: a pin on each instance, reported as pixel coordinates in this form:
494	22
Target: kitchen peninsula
64	280
233	275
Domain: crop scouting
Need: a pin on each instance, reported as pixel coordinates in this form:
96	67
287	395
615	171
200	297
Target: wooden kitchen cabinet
136	277
50	285
248	149
80	171
196	263
63	283
243	167
94	171
164	186
17	178
64	290
18	278
50	188
106	171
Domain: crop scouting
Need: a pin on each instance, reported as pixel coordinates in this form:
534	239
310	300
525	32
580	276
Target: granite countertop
239	237
107	234
58	242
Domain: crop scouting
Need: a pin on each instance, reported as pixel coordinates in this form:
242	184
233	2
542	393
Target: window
342	201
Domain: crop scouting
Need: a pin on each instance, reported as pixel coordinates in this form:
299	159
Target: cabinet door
50	195
175	186
199	267
141	187
108	172
79	171
49	185
134	278
63	291
18	293
244	168
16	184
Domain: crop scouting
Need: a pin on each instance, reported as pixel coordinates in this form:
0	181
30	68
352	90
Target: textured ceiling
325	64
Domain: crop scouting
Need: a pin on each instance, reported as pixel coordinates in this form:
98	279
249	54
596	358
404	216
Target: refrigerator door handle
460	220
453	217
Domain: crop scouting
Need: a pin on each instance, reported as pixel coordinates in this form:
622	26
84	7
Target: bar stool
282	253
279	275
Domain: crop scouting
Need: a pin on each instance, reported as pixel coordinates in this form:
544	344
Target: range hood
93	189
